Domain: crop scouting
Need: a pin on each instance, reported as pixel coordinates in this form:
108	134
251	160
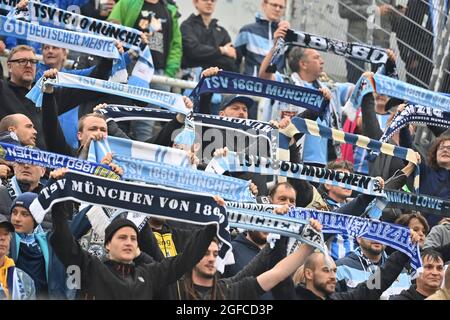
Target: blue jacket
55	271
254	42
355	268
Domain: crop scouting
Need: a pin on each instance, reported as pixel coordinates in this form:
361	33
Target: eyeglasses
276	6
442	148
24	62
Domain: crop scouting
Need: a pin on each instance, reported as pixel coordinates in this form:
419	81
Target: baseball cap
4	223
231	98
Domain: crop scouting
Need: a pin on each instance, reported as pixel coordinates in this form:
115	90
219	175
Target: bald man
21	126
320	279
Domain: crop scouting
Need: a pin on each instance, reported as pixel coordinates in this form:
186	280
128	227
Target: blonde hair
20	47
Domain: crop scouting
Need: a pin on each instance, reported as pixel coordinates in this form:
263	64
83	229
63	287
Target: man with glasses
22	63
22	70
255	40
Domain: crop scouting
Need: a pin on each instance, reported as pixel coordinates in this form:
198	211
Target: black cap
230	98
4	223
117	224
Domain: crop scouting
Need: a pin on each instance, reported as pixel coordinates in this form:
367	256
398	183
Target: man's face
54	56
123	245
206	268
205	7
284	195
22	75
22	220
5	237
324	275
25	131
91	127
236	110
273	9
336	193
312	63
443	154
28	173
432	275
371	247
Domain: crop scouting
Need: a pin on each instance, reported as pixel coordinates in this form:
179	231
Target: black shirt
156	19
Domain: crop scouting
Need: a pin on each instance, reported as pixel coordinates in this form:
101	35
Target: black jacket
244	289
384	165
244	286
388	273
113	280
410	294
14	101
201	44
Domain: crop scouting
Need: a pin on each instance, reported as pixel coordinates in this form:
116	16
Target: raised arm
283	26
288	265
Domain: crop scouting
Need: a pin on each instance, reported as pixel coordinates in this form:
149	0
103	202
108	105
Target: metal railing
432	71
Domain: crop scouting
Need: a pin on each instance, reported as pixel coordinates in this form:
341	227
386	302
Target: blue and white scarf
313	128
418	202
143	70
90	44
166	100
230	82
395	236
178	177
417	115
354	50
251	128
51	160
43	13
139	150
258	218
155	201
394	88
239	162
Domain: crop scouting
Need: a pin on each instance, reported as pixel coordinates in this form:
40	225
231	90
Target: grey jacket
438	236
5	201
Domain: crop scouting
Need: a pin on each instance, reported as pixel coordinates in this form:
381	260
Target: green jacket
126	12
